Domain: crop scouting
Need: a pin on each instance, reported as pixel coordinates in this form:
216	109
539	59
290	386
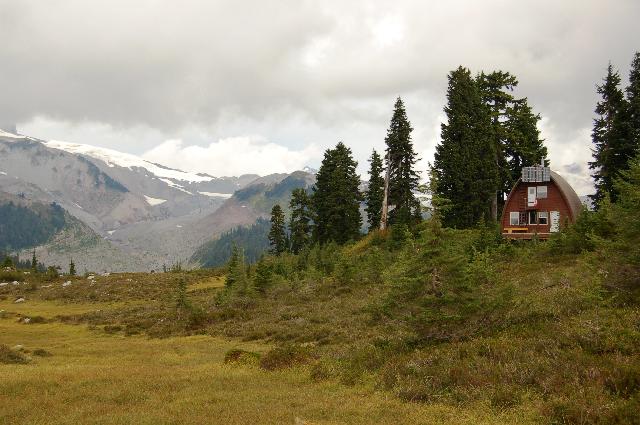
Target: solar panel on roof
536	174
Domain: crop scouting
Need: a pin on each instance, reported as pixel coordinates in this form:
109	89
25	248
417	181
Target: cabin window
542	192
532	217
514	218
531	196
543	217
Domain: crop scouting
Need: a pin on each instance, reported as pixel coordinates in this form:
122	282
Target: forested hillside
24	225
251	239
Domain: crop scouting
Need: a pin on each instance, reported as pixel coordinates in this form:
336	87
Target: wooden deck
526	236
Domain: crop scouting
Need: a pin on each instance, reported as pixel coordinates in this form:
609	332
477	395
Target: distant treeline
20	264
28	226
252	239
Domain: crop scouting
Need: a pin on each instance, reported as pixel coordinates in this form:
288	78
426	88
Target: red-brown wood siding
553	202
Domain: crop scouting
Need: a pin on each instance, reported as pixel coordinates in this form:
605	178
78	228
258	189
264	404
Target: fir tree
633	97
336	198
7	262
523	145
515	133
401	160
182	301
277	235
612	138
34	262
239	273
300	223
72	268
263	276
464	163
375	191
232	265
495	89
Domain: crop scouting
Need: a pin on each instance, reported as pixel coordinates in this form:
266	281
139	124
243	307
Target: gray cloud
130	75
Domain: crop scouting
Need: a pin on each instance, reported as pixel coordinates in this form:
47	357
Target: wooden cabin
540	202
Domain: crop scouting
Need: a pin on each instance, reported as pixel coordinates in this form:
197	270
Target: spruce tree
72	268
465	160
263	276
34	262
375	191
633	97
401	160
495	89
232	266
515	133
182	301
300	222
523	145
277	235
612	137
336	198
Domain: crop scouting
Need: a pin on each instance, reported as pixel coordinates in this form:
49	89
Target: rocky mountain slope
150	214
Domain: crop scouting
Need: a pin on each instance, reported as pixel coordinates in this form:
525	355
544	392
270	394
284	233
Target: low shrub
111	329
10	356
241	357
624	380
42	352
10	276
37	320
505	397
322	371
285	357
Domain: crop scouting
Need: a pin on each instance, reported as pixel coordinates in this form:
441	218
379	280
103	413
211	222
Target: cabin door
555	221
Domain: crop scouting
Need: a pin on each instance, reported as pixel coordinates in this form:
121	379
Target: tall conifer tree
495	89
514	129
34	262
375	191
277	235
633	97
336	197
401	160
300	223
232	265
612	137
523	145
465	160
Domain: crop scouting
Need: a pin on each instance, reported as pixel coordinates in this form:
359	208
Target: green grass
93	377
433	330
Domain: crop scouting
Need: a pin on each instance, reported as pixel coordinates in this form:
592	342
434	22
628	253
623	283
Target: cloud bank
226	156
131	75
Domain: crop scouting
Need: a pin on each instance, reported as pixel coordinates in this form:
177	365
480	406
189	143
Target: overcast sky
265	86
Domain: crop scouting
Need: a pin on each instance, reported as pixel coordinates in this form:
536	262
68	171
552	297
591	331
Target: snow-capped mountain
120	196
145	213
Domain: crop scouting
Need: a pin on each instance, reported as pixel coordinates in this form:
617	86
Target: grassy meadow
91	375
428	326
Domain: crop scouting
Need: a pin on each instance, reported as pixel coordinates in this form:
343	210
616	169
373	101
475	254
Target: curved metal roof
569	195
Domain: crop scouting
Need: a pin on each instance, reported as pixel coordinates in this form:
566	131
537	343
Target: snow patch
217	195
178	226
154	201
111	232
114	158
10	135
78	206
3	173
175	186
